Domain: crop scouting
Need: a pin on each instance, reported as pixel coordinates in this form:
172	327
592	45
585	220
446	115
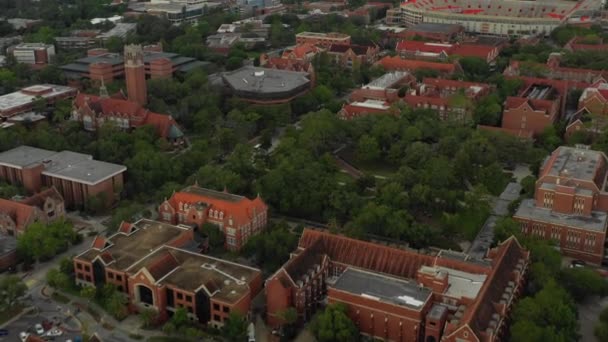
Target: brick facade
570	205
238	217
435	310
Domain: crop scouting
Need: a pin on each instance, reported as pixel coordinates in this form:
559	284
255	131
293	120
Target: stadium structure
496	17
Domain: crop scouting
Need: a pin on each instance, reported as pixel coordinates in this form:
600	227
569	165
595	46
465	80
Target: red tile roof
39	199
481	51
22	214
138	115
239	207
397	63
418	46
301	50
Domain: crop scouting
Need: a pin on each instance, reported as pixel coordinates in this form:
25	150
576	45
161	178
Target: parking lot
50	312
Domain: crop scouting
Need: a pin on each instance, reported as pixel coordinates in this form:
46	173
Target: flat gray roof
596	222
7	244
66	164
22	156
81	167
383	288
264	80
577	163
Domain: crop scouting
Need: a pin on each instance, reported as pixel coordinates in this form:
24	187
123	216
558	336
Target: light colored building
34	54
23	100
499	17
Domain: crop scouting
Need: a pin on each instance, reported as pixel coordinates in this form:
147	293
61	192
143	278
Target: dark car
577	263
3	332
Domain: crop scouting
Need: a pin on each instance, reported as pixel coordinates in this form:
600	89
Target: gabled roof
514	102
358	50
367	255
137	115
39	199
301	50
397	63
239	207
481	51
20	213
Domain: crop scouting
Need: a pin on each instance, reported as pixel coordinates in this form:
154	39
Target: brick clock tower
135	74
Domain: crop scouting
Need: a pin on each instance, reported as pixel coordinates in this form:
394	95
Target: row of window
111	276
224	308
86	267
181	296
573	239
83	277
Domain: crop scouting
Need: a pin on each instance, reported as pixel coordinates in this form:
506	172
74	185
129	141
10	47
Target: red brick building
16	216
349	56
93	111
442	51
76	176
570	204
367	107
452	99
323	40
238	217
24	100
538	106
400	295
595	98
397	63
135	74
301	52
158	266
580	44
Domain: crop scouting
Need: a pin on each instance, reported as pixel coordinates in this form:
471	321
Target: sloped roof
513	102
397	63
20	213
414	45
481	51
367	255
358	50
239	207
136	113
39	199
301	50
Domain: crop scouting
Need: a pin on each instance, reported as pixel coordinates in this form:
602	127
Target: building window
88	278
80	276
217	318
180	296
188	298
579	205
167	216
226	309
118	277
548	200
87	268
216	306
79	266
110	275
190	309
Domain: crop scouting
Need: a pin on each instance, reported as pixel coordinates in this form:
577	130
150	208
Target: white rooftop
375	104
460	284
387	80
28	95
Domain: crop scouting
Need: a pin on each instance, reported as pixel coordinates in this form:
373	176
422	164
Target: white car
54	332
23	336
39	329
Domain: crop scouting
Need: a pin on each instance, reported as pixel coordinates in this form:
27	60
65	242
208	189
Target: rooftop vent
259	73
226	282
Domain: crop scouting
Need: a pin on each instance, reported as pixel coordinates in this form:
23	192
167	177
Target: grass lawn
8	314
58	297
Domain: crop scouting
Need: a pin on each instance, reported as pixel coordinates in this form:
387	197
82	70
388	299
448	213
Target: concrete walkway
588	316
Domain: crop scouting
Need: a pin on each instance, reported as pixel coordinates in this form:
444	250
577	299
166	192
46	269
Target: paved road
588	316
485	237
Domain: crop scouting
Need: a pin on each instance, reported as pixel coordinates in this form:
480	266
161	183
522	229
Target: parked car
3	332
577	263
39	329
23	336
54	332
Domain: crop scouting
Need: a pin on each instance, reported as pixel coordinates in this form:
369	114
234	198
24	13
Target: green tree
334	325
116	305
235	329
505	228
179	318
582	283
215	235
12	289
88	292
147	317
58	279
368	149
